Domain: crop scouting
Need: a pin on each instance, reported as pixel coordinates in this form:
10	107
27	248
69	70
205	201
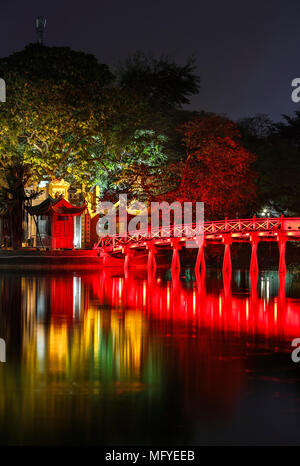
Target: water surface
103	359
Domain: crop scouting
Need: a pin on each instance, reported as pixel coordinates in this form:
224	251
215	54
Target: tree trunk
15	200
16	222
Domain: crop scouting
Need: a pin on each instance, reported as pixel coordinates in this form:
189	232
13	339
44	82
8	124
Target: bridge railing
218	227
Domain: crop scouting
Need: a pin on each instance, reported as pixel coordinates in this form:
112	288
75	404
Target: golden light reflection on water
84	351
104	341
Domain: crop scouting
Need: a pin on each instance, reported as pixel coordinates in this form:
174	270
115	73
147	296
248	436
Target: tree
143	156
49	123
216	170
276	146
289	129
65	117
164	83
137	159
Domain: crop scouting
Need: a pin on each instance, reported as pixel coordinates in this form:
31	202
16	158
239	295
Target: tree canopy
277	148
67	117
164	83
217	169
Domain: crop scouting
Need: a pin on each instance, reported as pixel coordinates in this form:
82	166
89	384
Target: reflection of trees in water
11	313
72	369
109	358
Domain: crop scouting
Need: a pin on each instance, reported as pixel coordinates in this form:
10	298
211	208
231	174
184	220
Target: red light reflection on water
222	309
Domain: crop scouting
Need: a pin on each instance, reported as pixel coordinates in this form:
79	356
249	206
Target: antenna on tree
40	26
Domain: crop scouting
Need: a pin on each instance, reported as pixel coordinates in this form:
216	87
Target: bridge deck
237	230
254	230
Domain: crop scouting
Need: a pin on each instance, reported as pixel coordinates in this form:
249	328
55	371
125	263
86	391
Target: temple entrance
63	232
54	219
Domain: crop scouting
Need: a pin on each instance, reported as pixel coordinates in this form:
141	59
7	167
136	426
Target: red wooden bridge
252	231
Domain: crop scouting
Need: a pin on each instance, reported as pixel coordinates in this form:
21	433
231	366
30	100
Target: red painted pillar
227	258
254	244
151	265
175	284
227	285
282	239
151	289
253	284
281	292
175	258
128	254
71	236
104	256
200	262
200	280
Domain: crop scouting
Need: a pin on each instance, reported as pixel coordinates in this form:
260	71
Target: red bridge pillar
282	239
151	265
227	258
253	284
175	258
254	239
128	254
200	262
281	291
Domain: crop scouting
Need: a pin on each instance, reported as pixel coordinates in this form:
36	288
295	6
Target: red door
63	232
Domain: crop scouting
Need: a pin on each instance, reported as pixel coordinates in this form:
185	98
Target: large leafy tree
139	152
66	117
277	148
49	123
142	165
216	170
164	83
143	155
163	87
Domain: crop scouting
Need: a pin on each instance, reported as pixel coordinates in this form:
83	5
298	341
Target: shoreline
88	259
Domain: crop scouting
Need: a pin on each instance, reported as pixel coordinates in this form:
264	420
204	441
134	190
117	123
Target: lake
100	359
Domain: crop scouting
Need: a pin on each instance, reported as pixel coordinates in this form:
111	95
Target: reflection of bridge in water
246	302
252	231
82	345
79	341
262	308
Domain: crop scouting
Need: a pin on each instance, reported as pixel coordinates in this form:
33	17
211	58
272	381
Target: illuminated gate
55	222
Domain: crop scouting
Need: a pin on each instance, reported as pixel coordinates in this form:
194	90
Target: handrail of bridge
191	229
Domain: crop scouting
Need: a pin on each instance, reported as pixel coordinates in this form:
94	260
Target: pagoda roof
57	206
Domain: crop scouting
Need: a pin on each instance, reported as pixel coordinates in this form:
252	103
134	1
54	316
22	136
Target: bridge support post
200	266
254	262
282	239
227	257
175	258
151	264
253	284
128	254
281	293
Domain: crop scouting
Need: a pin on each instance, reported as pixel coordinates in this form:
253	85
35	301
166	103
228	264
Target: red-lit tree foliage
216	169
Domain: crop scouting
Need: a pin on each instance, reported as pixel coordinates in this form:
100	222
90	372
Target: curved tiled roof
55	206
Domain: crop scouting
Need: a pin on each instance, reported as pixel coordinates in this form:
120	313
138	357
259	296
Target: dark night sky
247	52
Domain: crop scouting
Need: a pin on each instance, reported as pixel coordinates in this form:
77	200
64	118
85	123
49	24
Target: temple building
54	220
62	217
